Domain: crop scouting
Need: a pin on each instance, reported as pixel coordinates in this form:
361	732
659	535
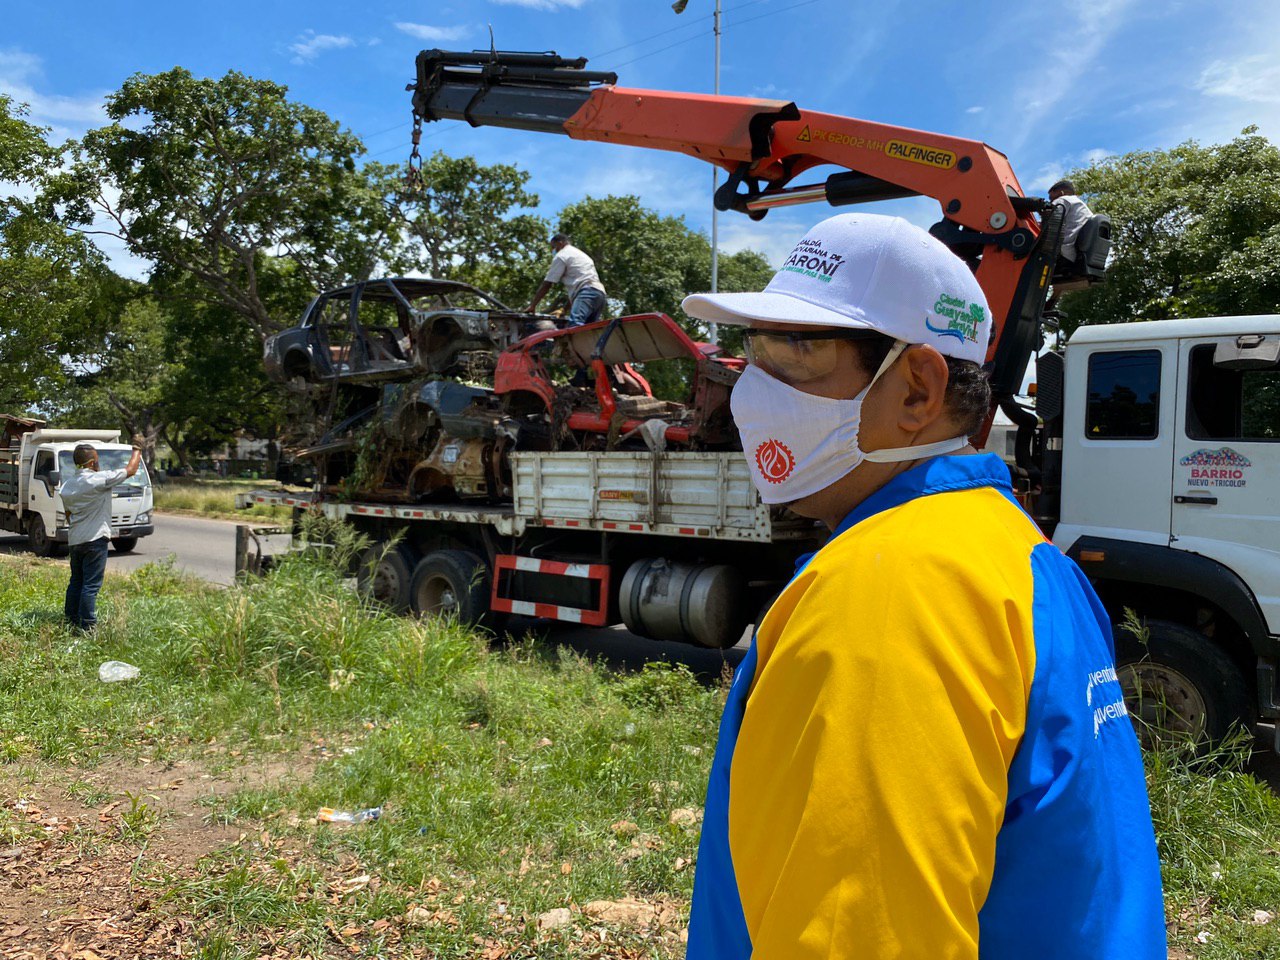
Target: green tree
470	223
231	189
1196	232
47	276
188	377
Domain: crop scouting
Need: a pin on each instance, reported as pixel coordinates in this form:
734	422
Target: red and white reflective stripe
546	611
587	571
550	611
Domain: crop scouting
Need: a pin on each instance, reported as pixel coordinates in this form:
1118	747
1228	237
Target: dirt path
77	846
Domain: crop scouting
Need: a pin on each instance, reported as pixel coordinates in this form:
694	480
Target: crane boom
764	145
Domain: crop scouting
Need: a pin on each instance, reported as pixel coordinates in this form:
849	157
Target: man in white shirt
577	272
1075	214
87	499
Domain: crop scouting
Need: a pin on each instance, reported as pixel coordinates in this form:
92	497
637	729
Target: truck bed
701	495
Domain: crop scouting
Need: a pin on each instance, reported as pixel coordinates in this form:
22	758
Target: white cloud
1254	79
543	4
1051	173
975	109
1086	27
19	70
651	180
774	236
423	31
311	44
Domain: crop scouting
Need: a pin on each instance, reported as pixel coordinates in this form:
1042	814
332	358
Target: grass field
214	498
533	804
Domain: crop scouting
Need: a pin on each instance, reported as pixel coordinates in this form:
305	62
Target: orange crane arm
764	145
972	182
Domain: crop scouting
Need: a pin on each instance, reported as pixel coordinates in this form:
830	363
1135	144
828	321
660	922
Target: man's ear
924	374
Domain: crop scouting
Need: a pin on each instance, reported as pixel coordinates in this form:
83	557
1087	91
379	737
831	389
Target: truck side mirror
1250	351
53	479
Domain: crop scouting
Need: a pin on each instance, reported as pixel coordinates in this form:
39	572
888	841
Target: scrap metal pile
423	388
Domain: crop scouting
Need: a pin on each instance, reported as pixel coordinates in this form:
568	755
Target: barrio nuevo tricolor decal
1223	467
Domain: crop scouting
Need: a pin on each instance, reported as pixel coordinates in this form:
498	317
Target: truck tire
38	539
1181	682
124	544
385	573
451	583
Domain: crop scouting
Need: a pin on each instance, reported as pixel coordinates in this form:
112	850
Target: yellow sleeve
869	779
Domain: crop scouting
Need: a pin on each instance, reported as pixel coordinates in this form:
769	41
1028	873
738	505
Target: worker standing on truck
926	752
87	499
577	271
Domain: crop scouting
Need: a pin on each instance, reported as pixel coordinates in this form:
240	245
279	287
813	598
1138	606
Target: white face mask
797	444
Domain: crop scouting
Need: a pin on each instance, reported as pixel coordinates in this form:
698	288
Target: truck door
41	491
1118	442
1226	486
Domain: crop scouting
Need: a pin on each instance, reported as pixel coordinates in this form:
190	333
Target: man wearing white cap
925	753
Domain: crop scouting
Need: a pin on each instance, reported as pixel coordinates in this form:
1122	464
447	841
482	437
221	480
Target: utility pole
712	330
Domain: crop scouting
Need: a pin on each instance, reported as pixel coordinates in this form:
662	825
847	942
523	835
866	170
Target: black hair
968	397
85	453
1065	186
560	238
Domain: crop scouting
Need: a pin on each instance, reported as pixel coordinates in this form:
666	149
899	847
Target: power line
370	136
405	146
662	33
733	23
635	43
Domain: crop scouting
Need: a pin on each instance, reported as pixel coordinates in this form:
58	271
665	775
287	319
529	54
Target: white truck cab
32	469
1171	505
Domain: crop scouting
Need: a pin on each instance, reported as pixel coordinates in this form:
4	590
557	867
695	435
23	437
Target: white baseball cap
871	272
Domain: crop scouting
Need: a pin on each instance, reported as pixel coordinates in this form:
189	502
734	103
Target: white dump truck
33	462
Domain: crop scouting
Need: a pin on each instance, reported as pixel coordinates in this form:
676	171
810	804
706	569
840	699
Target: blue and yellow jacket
925	753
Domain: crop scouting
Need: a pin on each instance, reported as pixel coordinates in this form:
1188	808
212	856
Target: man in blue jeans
577	272
87	499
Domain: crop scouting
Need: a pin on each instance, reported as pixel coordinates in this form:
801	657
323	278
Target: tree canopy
211	180
246	203
47	275
1196	232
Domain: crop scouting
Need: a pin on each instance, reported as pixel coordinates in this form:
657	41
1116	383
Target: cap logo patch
961	317
775	461
811	259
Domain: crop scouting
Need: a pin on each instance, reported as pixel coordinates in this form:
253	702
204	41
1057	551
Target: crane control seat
1093	247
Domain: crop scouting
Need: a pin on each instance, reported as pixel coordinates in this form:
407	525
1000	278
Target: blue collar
939	475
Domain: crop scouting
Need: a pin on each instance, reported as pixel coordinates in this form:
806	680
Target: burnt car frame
391	328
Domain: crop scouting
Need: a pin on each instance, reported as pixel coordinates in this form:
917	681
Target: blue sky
1052	84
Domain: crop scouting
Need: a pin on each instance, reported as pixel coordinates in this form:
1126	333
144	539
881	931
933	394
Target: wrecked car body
380	330
430	439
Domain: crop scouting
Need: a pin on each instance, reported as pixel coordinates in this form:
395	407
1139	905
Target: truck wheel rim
386	583
1164	700
437	598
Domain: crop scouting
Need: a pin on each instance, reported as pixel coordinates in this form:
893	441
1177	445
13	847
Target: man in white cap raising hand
925	753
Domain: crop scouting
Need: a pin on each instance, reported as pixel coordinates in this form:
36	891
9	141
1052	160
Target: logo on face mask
775	461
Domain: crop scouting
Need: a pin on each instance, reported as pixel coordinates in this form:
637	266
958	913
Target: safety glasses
799	356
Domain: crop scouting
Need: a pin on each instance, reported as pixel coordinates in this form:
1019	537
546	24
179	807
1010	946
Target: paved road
206	548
